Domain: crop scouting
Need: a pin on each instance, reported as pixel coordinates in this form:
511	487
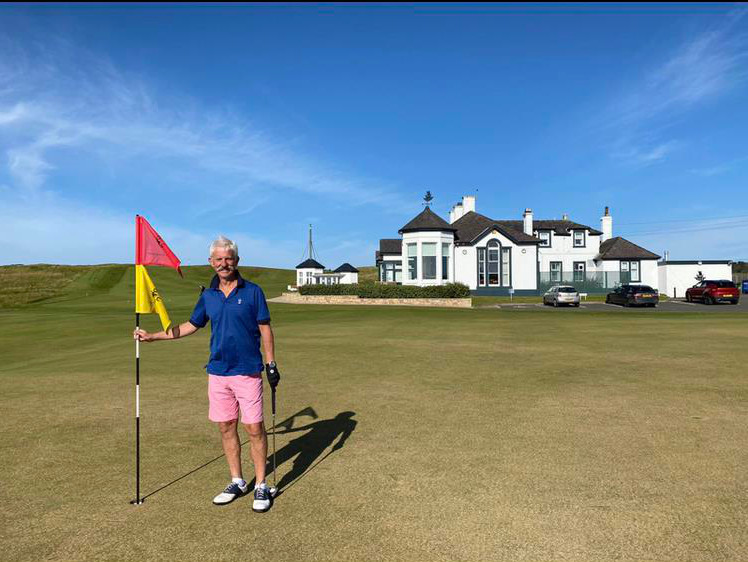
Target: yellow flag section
147	299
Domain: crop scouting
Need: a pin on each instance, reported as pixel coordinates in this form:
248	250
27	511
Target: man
239	319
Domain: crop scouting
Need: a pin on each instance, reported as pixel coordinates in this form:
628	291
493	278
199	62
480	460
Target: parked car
634	295
561	294
712	292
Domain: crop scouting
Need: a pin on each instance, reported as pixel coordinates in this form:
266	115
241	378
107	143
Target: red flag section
150	248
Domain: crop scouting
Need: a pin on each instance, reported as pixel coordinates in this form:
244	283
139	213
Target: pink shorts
227	394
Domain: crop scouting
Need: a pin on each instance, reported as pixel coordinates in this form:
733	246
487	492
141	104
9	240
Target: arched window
493	249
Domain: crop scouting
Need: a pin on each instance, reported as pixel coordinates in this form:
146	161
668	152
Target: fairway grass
475	435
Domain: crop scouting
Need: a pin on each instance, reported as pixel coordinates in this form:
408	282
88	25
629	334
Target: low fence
598	282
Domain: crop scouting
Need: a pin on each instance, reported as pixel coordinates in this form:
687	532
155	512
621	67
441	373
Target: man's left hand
273	374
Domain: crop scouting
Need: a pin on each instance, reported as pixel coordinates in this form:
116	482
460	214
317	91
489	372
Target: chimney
460	209
606	225
565	217
456	213
527	226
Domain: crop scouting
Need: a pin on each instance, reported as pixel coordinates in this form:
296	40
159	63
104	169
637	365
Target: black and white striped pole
138	500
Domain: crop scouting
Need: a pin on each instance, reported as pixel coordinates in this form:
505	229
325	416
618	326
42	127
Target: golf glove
273	375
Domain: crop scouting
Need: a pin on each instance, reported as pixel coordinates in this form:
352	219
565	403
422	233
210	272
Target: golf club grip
273	399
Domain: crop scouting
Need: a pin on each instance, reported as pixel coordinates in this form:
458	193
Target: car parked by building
562	295
634	295
712	292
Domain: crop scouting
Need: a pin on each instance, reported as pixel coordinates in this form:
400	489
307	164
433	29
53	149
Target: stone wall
296	298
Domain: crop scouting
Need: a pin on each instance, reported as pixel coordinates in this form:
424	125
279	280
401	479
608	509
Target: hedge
380	291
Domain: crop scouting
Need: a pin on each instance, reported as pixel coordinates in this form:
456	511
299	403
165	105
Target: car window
567	290
726	284
644	289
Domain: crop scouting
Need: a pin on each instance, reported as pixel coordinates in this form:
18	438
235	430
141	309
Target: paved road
670	305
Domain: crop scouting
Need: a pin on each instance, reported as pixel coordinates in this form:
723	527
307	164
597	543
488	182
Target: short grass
471	434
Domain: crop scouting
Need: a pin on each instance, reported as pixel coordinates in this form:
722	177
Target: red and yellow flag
150	249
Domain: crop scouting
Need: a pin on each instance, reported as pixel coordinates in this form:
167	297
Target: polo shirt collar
216	281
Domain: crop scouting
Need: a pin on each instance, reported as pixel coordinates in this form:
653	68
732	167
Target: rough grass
23	284
479	435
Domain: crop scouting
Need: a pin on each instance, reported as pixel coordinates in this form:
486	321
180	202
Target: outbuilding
674	277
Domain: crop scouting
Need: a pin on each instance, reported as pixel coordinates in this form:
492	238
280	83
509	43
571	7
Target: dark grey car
634	295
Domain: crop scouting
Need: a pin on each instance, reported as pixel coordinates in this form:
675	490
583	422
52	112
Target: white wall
674	279
349	278
562	249
302	277
524	267
466	266
649	273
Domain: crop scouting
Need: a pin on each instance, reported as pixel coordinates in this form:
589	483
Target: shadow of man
310	446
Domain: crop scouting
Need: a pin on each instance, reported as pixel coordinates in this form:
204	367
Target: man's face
224	263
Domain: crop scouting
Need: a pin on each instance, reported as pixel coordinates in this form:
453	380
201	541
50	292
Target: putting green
467	434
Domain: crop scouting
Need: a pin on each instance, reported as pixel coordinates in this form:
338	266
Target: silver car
561	294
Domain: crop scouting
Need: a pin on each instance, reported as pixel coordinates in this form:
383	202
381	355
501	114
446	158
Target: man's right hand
142	335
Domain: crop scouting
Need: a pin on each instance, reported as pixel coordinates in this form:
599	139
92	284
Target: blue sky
254	121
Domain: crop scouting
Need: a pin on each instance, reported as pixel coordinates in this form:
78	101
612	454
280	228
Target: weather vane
427	199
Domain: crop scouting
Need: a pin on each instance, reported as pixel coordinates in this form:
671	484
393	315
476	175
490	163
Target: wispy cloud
48	105
694	73
719	169
646	155
66	112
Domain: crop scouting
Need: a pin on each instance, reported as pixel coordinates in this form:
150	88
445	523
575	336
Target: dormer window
545	238
579	241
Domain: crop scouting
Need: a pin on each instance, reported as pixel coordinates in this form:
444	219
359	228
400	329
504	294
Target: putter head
273	491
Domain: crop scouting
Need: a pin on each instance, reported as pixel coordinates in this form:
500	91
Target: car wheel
555	304
708	299
734	302
688	297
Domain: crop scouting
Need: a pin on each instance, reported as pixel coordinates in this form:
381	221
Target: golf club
274	487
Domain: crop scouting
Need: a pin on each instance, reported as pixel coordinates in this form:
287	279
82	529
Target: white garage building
674	277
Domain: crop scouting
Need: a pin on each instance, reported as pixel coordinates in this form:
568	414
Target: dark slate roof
559	228
621	249
346	268
427	220
472	226
390	246
310	264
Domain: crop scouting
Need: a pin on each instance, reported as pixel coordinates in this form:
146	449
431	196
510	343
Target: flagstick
137	500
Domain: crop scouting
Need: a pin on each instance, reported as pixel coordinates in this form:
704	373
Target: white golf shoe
262	498
231	492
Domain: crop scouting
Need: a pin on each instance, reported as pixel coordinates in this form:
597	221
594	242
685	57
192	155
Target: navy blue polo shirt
234	326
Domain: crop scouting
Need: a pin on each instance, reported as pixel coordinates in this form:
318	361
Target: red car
712	292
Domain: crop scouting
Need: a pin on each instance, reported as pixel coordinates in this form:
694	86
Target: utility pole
311	255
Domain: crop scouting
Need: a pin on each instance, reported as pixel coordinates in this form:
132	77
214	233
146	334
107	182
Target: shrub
328	289
381	291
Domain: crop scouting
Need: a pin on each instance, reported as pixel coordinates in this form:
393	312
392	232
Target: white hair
223	242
